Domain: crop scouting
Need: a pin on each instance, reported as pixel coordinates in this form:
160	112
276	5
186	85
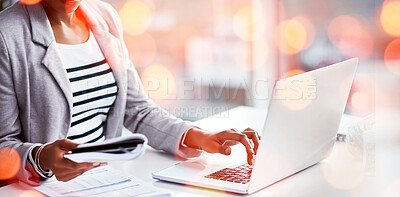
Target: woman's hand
220	142
52	157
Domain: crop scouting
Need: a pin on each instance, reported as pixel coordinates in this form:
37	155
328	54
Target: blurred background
198	58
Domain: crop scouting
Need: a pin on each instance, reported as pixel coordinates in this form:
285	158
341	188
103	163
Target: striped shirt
93	89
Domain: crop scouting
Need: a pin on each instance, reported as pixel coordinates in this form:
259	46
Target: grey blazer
35	94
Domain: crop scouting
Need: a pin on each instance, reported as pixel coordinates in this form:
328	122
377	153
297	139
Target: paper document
102	181
101	155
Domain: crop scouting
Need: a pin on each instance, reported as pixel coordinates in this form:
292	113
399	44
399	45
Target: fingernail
103	164
96	163
227	150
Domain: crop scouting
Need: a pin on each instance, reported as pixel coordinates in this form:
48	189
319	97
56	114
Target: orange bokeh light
10	163
291	36
392	56
309	28
292	73
347	33
30	2
244	22
142	49
360	100
158	82
390	18
344	31
296	94
136	17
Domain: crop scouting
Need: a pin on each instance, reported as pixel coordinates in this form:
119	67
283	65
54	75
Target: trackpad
191	166
183	170
187	168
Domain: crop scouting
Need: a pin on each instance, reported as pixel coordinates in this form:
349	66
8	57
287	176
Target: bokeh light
30	2
310	29
158	82
10	163
344	30
292	73
243	23
142	49
390	18
392	56
362	95
359	100
136	17
343	175
291	36
296	94
364	48
347	33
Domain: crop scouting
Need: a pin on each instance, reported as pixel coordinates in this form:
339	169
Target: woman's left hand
220	142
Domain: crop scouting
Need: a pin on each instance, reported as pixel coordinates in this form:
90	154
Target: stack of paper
102	181
122	154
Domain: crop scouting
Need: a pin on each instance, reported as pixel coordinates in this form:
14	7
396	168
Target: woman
65	78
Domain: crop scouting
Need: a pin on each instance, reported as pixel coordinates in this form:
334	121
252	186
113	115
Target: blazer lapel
43	35
53	63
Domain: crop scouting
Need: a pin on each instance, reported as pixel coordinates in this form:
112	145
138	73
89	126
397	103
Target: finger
90	165
77	166
230	143
66	174
253	136
239	137
250	129
67	144
245	141
225	150
234	129
242	138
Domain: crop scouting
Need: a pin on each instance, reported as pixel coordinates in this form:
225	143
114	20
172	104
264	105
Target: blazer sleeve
10	127
163	130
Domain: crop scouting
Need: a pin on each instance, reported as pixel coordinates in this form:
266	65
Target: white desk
340	175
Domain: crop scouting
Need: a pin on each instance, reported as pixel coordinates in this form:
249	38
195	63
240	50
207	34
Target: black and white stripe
94	91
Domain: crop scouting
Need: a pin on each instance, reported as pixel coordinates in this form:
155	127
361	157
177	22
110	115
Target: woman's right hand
52	157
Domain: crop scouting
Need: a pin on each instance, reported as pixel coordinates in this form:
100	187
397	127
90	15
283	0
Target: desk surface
341	174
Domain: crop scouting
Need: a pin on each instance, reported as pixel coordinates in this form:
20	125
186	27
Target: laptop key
240	174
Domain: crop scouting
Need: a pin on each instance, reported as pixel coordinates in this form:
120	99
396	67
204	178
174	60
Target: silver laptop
302	120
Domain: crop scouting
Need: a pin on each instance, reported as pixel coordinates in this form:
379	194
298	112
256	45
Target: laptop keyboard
239	174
